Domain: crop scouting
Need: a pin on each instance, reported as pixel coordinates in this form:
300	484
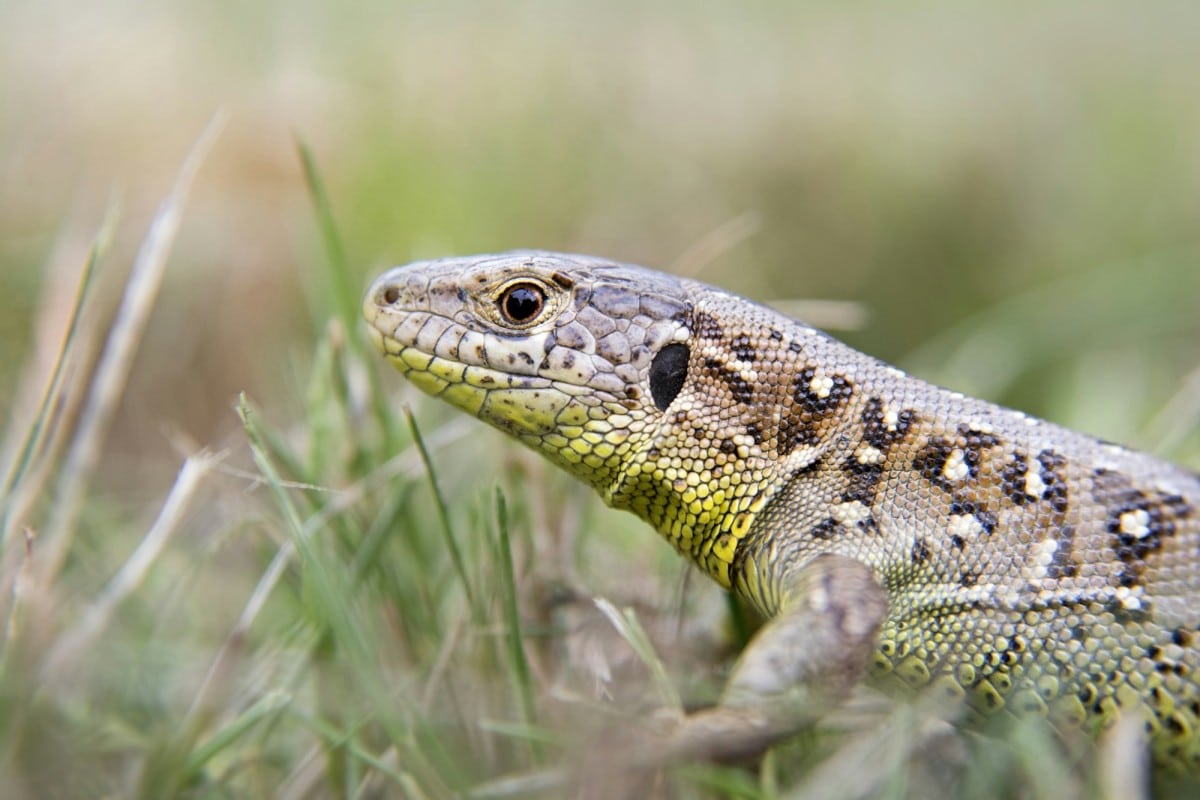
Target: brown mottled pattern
1026	567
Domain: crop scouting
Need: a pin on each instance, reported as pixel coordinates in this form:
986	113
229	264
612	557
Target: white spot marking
849	513
1136	523
891	418
965	526
1130	598
802	457
866	454
956	466
1034	485
821	385
1043	554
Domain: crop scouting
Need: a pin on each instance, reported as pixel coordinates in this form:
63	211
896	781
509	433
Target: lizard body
891	527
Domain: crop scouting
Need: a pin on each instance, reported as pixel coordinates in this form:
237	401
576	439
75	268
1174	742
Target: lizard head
667	396
574	356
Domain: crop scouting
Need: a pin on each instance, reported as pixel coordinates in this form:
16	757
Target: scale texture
1025	568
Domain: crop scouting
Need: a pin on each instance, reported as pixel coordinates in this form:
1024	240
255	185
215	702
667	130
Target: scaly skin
891	528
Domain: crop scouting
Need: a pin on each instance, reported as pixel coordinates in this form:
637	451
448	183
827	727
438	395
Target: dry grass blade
716	243
117	359
1178	418
631	630
134	571
29	462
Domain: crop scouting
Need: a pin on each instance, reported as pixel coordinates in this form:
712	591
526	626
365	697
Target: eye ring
521	304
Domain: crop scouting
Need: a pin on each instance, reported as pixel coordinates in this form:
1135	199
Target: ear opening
668	371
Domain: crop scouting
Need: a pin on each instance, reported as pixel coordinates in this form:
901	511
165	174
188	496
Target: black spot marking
727	446
1013	480
739	387
563	279
793	435
744	350
930	460
974	439
1181	637
862	481
707	327
920	551
958	542
795	347
754	432
824	529
868	525
876	431
1161	513
815	404
776	335
1062	563
987	520
668	372
1055	493
808	469
801	420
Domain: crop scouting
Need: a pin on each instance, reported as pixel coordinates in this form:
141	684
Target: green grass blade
345	298
519	664
444	517
345	291
268	707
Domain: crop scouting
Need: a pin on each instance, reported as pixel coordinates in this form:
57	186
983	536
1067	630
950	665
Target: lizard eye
521	303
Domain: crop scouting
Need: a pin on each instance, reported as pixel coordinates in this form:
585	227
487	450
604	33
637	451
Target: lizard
888	529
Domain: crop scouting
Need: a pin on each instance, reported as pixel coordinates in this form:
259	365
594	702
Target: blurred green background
1032	169
1011	191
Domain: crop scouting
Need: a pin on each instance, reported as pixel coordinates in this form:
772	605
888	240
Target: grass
337	616
356	592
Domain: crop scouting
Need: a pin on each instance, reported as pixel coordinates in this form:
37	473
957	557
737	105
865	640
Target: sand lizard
890	528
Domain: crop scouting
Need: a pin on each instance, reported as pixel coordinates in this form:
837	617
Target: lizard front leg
804	662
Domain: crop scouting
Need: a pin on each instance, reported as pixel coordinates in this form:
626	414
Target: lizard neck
703	506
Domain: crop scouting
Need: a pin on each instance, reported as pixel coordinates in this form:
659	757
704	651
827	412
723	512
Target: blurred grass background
1010	190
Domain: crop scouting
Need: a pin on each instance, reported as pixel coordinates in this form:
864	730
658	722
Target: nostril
391	294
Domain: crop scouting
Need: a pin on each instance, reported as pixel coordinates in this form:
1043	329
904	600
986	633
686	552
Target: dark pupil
522	304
